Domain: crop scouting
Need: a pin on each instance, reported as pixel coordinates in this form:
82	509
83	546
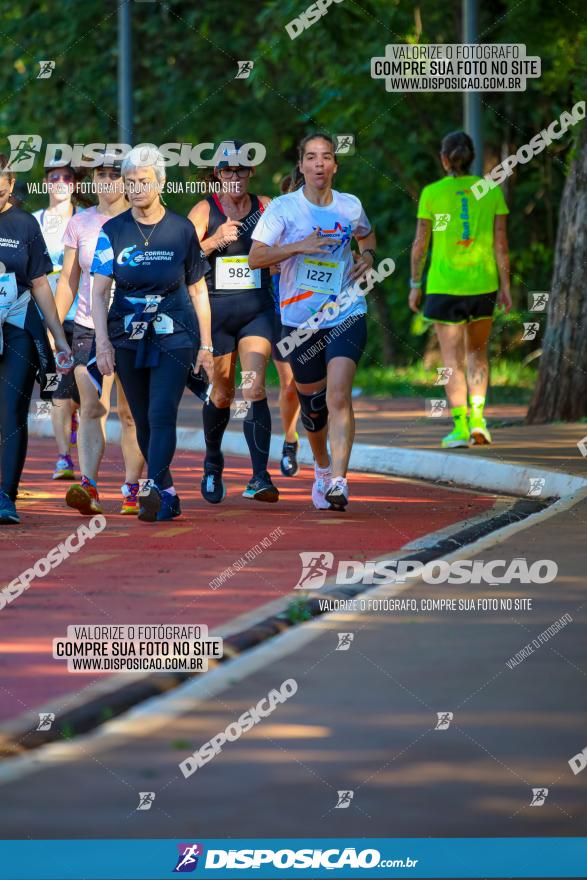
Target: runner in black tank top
241	304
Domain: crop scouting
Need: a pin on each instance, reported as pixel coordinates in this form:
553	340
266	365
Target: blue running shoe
8	514
170	507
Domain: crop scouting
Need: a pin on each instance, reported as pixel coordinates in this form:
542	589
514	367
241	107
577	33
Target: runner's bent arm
502	257
68	282
226	232
263	256
43	296
101	285
276	269
420	248
363	261
419	254
199	296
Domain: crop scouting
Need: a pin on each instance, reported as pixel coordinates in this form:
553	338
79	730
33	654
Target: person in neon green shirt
469	274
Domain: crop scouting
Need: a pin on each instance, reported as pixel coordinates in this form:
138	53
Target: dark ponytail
79	197
457	147
296	179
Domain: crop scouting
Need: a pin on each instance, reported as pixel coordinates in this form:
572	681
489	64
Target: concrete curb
500	477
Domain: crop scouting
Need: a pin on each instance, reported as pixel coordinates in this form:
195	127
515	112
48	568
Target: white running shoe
337	495
322	481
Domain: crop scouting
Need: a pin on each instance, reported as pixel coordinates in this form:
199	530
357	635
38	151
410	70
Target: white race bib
320	276
234	273
8	290
163	324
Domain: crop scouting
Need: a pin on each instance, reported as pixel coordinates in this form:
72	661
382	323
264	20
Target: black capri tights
18	368
154	395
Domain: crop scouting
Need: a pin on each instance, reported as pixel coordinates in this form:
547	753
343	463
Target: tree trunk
561	390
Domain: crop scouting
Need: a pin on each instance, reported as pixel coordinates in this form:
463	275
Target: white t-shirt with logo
54	225
309	282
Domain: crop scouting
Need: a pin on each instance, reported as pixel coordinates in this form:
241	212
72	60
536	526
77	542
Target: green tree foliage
185	61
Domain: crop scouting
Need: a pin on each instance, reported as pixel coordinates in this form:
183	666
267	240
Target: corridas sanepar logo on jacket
133	256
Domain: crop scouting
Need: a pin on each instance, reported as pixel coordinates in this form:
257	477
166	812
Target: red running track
135	572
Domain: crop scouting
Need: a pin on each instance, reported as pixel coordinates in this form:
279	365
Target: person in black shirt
25	352
151	332
241	304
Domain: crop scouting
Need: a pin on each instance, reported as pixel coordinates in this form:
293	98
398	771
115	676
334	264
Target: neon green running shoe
459	436
480	435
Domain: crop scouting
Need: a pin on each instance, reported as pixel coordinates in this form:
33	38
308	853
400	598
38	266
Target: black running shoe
149	504
289	462
212	486
338	494
260	488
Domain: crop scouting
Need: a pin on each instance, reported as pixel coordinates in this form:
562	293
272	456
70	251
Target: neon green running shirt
463	258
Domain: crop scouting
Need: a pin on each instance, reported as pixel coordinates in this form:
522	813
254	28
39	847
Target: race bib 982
234	273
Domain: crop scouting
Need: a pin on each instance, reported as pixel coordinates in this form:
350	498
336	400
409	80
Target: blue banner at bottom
416	857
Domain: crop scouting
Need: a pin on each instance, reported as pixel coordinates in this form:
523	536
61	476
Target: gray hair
145	156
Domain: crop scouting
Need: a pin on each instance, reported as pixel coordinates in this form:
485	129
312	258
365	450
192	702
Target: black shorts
83	339
277	331
310	359
450	308
66	389
236	315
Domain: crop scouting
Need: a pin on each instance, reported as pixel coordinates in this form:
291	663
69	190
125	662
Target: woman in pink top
80	240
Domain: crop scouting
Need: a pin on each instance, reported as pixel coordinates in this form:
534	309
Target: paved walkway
364	719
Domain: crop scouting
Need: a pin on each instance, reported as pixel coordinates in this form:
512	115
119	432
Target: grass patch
511	381
298	611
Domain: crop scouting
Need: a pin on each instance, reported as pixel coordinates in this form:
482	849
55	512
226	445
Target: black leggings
154	395
18	368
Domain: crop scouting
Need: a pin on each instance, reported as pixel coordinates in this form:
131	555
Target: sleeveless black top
240	247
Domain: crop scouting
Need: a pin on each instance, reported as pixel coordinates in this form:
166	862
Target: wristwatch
209	348
369	251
